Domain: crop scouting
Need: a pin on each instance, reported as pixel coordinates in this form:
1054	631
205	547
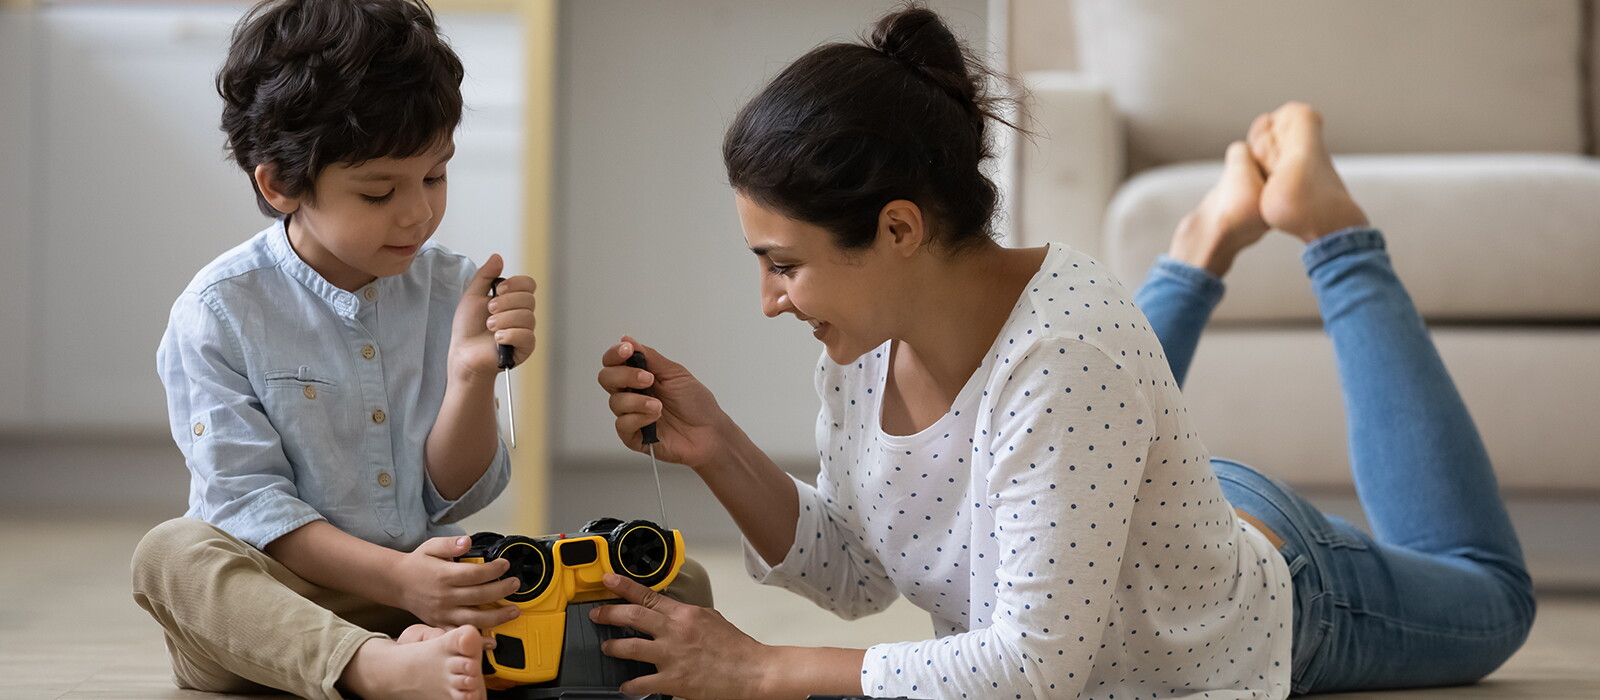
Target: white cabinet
116	190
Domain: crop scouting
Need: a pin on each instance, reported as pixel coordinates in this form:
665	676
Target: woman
1003	442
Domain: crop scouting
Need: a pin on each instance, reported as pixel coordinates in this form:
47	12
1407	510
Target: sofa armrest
1069	168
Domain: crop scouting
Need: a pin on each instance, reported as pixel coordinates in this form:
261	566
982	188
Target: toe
1260	138
1259	127
1239	162
464	640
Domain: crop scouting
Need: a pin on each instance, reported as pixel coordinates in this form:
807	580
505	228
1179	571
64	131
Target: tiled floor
69	629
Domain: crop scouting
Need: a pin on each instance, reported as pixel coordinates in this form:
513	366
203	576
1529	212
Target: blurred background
590	157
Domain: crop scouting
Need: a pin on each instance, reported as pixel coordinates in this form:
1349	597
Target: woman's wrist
733	448
798	672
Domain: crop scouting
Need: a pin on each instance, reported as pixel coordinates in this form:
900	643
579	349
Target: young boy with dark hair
330	381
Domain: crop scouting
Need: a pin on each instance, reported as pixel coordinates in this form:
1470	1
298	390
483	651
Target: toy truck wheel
600	526
642	551
531	563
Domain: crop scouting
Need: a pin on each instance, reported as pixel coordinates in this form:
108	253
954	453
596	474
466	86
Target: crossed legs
1438	594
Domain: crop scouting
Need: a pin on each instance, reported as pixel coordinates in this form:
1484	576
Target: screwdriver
508	359
636	360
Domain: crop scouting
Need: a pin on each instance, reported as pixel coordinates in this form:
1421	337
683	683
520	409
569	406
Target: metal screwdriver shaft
636	360
507	356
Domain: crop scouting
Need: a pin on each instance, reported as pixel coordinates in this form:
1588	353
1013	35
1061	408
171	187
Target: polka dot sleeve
829	562
1070	435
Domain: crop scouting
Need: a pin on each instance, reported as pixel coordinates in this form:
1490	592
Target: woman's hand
697	653
689	423
446	593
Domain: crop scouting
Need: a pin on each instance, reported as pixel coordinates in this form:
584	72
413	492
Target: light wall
646	238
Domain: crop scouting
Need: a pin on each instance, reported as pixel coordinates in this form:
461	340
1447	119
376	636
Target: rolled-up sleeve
242	481
442	511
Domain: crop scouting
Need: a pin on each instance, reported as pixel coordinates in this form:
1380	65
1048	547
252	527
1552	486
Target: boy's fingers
513	318
484	618
445	547
512	301
479	286
486	593
474	574
522	338
517	284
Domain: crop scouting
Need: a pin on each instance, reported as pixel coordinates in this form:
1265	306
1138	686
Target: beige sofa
1466	128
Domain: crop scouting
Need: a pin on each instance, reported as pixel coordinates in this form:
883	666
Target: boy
330	381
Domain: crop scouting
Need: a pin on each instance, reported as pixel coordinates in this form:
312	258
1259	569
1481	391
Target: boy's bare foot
1228	219
446	664
1303	195
419	633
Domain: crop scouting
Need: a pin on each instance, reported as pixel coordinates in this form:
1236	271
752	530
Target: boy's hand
446	593
481	323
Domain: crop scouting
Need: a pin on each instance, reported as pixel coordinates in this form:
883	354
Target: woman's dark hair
311	83
848	128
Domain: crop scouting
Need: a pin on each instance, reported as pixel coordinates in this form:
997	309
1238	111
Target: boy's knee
161	548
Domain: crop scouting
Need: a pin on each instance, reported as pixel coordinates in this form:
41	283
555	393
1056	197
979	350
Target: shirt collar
344	303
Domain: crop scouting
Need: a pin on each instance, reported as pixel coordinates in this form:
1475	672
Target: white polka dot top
1061	523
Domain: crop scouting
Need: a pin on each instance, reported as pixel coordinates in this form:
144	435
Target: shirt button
379	416
384	480
199	429
369	352
309	391
372	294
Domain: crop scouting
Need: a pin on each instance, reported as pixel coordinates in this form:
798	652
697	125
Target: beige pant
237	621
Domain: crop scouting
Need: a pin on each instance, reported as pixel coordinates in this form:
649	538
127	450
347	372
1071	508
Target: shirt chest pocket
312	415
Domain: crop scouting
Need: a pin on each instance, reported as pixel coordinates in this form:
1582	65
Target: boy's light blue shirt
293	400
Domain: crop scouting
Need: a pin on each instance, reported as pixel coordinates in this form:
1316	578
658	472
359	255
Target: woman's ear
901	224
266	177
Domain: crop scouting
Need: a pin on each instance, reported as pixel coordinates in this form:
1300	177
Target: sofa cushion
1391	75
1270	398
1474	237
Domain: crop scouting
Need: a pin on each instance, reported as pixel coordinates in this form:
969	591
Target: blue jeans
1438	594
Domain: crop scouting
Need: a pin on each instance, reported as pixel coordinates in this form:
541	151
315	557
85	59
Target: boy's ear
901	223
266	177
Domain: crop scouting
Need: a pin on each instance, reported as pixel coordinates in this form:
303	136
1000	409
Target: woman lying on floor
1003	442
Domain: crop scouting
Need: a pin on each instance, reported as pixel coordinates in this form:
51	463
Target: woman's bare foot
1228	219
446	664
1303	195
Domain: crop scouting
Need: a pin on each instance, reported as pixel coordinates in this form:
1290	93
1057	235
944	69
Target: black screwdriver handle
506	353
636	360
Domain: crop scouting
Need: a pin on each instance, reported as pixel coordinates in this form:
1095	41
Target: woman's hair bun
918	36
850	127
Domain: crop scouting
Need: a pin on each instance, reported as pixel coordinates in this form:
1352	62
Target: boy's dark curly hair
311	83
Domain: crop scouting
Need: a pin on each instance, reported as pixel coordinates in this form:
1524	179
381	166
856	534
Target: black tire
642	551
532	563
600	526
